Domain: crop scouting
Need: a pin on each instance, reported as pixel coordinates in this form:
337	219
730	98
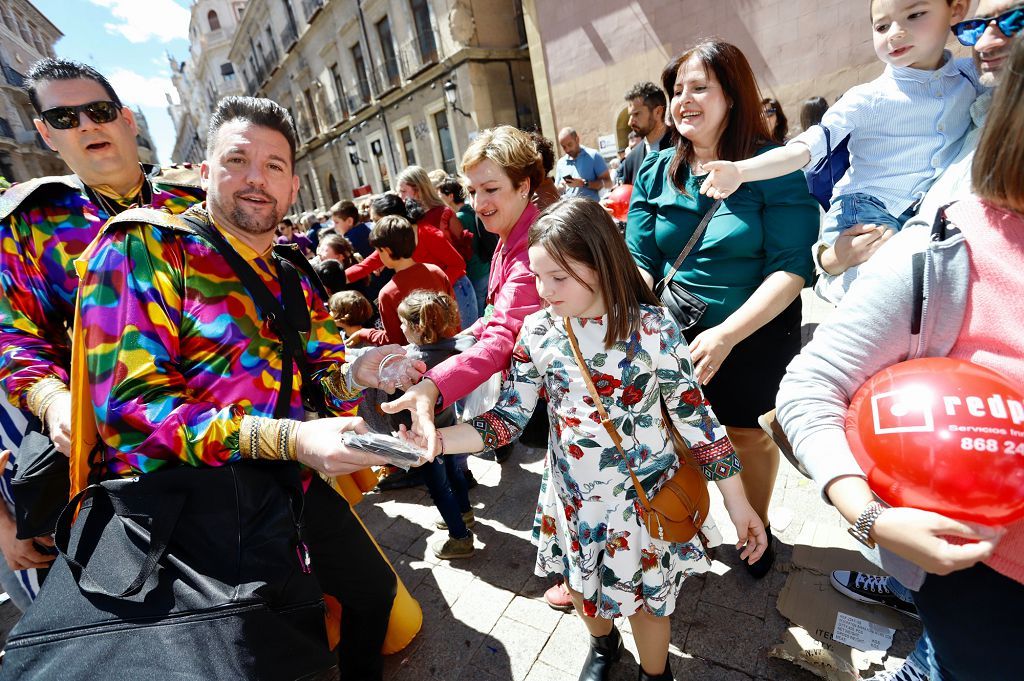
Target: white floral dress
588	526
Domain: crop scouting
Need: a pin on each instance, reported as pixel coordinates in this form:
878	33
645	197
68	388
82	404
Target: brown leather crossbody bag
680	508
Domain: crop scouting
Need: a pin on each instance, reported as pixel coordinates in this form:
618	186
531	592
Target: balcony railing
388	74
334	113
310	8
422	50
288	37
11	76
5	129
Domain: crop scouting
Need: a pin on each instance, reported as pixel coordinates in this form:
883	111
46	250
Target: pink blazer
513	292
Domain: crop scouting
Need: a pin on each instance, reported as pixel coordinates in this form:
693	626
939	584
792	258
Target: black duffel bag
41	484
189	573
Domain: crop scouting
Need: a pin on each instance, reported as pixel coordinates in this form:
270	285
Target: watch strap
861	529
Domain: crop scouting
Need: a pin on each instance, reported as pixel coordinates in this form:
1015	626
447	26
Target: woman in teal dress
750	264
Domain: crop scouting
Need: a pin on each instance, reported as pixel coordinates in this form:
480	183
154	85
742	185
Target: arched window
213	20
332	189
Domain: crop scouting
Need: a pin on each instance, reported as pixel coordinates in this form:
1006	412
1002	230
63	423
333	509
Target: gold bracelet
41	393
341	384
263	438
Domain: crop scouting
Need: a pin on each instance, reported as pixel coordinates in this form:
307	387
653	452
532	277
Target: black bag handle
694	238
164	522
270	307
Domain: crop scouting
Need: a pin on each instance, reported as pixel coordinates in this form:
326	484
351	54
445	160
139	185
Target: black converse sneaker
867	588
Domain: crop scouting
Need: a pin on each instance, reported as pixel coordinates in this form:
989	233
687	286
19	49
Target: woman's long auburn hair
578	230
745	130
997	171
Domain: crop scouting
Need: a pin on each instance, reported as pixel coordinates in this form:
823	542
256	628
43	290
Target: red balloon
942	435
618	201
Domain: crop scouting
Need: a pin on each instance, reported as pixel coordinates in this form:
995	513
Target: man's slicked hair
49	69
256	110
652	95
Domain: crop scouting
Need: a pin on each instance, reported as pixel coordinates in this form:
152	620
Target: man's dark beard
242	220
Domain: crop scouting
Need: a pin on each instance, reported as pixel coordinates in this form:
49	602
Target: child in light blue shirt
904	127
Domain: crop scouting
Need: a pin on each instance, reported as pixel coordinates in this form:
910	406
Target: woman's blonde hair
996	171
434	315
510	149
417	177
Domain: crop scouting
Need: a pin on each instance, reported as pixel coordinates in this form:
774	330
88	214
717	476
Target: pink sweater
991	334
513	292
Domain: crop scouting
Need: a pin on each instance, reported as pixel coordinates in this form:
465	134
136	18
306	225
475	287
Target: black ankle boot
664	676
763	565
604	652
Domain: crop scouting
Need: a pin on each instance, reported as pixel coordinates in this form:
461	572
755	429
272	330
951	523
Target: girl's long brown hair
745	129
578	230
997	171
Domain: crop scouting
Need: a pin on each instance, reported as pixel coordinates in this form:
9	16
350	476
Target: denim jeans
973	620
446	482
858	209
922	650
465	298
480	287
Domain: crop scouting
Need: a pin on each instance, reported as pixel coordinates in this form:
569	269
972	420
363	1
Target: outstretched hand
419	401
366	369
318	445
723	179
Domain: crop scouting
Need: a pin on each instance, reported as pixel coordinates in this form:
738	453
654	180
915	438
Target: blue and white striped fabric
12	429
905	128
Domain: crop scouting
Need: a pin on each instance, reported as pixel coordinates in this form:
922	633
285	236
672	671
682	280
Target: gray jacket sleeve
869	331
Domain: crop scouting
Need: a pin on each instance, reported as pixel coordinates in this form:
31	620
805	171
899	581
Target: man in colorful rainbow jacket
45	224
185	365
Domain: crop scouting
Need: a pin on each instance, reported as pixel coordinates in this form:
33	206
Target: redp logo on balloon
942	435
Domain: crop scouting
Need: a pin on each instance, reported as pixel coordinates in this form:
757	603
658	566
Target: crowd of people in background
140	341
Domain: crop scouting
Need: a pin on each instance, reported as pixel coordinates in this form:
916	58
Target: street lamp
353	155
449	88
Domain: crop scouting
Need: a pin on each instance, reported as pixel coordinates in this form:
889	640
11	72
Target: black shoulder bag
186	572
685	308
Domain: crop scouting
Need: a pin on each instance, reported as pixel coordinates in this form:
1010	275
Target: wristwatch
861	530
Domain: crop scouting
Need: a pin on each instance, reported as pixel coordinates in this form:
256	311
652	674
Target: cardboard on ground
810	603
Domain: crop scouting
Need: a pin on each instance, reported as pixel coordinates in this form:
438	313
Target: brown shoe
451	548
469	518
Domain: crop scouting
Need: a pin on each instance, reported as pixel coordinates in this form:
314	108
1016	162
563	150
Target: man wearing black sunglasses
45	224
991	33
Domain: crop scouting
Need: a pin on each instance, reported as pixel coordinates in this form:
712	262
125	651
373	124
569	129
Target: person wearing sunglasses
904	128
45	224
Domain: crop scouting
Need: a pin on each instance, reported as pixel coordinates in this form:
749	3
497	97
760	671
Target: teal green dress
765	227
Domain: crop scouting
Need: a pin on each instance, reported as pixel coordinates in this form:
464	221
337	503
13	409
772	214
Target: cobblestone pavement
485	618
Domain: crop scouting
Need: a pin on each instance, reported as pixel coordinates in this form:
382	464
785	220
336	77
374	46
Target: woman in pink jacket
503	171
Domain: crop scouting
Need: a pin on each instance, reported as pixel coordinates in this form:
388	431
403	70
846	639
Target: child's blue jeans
858	209
446	482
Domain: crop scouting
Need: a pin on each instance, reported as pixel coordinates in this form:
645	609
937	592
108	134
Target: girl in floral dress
589	526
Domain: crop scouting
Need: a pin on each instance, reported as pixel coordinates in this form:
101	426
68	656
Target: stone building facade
205	77
25	37
366	81
147	149
586	55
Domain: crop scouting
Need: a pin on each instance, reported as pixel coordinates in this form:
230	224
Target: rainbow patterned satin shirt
176	350
39	243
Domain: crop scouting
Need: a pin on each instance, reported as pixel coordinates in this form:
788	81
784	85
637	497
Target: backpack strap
282	321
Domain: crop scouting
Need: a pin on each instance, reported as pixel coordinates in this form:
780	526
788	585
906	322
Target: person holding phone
582	171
